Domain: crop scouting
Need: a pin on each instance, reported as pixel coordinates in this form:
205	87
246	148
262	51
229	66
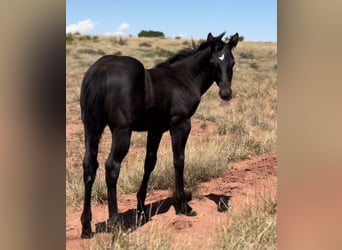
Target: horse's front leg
179	131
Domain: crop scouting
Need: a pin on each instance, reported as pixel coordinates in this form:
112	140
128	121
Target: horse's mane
182	54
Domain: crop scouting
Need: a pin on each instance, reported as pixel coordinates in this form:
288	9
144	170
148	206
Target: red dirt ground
243	184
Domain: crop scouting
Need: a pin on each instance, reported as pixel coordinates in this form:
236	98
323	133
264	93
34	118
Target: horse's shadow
130	220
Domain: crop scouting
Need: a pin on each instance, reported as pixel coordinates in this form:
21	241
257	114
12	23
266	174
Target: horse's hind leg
90	165
153	140
120	145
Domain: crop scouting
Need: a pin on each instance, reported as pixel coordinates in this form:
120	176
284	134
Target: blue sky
255	20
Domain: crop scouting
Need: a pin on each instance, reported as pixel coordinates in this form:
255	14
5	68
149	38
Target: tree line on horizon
149	33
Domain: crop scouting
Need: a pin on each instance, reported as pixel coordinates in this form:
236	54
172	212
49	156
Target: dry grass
121	240
225	132
253	228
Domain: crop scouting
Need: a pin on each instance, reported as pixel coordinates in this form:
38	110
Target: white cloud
120	31
124	27
81	26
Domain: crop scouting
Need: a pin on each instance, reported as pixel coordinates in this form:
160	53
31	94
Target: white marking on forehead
221	57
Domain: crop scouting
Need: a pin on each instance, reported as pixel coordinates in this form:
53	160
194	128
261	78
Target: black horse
119	92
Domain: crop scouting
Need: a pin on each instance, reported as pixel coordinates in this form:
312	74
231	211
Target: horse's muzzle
226	94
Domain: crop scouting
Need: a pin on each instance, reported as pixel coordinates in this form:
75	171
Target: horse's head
222	61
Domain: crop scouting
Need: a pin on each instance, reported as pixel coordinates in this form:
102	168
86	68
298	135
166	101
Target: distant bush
151	33
91	51
69	38
254	65
186	43
246	55
163	52
120	41
101	52
158	52
95	38
83	37
145	44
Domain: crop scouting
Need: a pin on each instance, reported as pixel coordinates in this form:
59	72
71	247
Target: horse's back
116	69
116	85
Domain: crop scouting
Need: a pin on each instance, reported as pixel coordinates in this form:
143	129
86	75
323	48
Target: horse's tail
92	102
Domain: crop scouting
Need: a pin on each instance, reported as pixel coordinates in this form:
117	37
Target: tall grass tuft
122	240
254	228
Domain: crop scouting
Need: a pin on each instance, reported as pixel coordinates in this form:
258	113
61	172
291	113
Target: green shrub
151	33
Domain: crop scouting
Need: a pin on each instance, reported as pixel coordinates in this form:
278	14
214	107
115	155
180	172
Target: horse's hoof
192	213
189	212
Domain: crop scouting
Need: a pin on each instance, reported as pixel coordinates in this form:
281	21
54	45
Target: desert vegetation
222	133
150	33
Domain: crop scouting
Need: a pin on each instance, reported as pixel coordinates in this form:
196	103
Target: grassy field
222	132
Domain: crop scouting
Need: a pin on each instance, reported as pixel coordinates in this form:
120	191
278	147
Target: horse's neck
198	69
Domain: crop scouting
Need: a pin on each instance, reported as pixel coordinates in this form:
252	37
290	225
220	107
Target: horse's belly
152	121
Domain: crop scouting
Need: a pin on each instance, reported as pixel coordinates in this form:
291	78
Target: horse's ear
233	41
219	38
210	38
